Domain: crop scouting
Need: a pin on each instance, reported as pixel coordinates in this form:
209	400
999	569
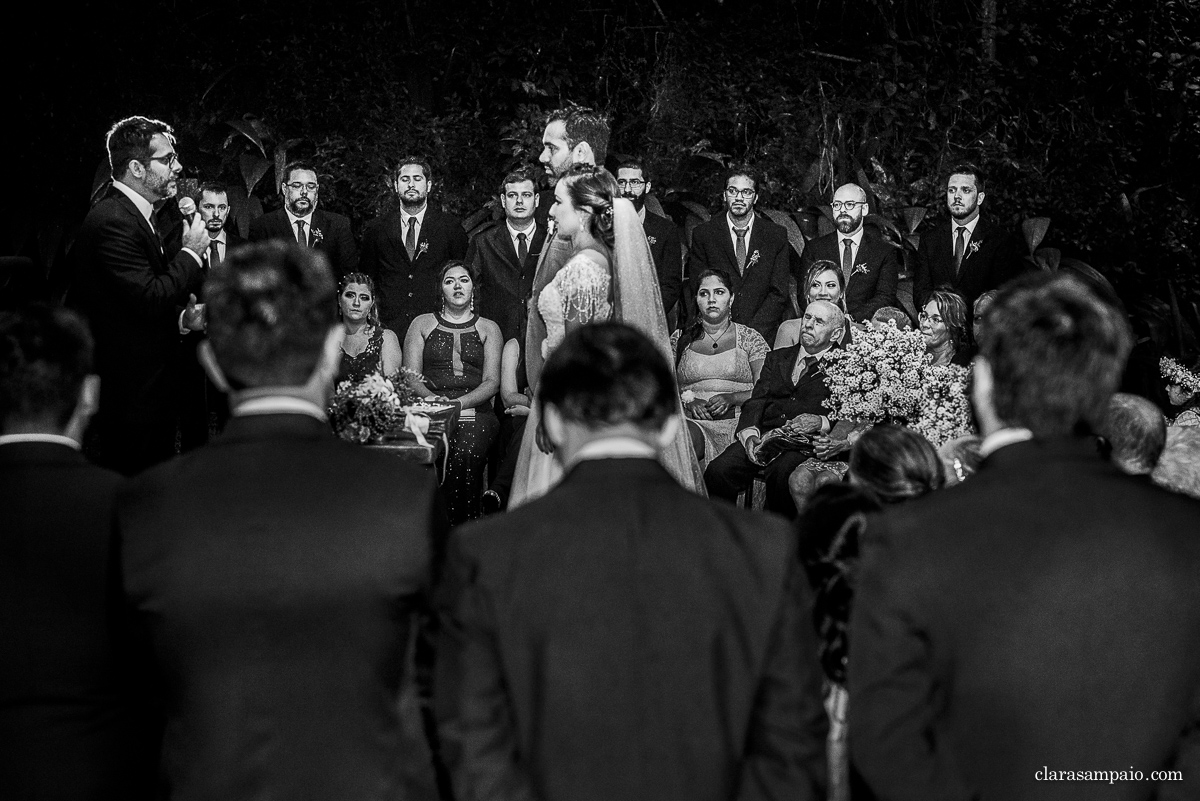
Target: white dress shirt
1003	438
855	242
614	448
954	226
278	404
512	234
733	234
57	439
420	217
306	219
222	246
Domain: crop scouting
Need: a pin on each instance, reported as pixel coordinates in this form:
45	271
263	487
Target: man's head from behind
606	380
1136	433
271	318
46	385
574	135
1050	356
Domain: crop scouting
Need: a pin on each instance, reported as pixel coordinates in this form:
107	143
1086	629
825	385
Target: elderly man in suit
68	722
275	571
505	256
789	395
870	269
300	220
404	250
752	250
1005	648
967	252
658	647
133	294
666	247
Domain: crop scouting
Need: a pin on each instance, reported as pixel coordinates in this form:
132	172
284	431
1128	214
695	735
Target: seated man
789	395
1136	433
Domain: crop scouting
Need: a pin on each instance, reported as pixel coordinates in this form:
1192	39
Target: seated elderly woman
823	282
944	323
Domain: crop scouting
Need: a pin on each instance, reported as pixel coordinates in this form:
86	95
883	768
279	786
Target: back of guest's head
895	464
45	355
1056	354
269	313
1136	433
583	124
609	374
960	458
129	140
1178	467
594	188
892	315
953	309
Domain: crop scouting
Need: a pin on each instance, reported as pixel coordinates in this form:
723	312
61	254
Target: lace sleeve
752	342
675	339
583	284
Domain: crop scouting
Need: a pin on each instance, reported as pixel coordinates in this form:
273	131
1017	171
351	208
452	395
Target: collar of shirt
855	237
954	226
999	439
220	237
642	213
143	205
57	439
420	215
292	220
749	227
614	448
512	232
279	404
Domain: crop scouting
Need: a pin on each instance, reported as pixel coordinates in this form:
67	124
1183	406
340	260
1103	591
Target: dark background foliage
1086	112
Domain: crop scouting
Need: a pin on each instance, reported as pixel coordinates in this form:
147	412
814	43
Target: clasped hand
711	409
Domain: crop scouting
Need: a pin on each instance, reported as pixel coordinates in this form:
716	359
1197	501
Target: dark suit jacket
655	648
275	572
775	399
872	283
762	292
336	242
504	283
407	289
995	261
667	250
66	717
1045	613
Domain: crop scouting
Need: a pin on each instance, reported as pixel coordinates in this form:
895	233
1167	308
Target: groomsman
752	250
967	252
404	249
300	220
621	637
505	256
870	269
213	208
663	235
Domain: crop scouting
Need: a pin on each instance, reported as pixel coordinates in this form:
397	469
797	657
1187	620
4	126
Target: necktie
300	237
847	259
214	255
410	238
740	249
522	249
960	246
802	368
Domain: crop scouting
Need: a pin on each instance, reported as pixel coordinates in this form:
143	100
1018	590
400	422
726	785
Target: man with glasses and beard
662	234
301	221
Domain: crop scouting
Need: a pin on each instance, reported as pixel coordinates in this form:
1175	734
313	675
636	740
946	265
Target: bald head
821	325
849	208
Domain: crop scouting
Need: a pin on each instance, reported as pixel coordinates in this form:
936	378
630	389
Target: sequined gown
453	366
356	368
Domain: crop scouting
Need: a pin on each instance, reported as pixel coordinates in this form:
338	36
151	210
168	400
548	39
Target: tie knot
741	232
412	221
521	236
847	242
961	229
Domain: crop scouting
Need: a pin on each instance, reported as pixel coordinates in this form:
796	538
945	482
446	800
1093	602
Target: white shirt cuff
199	259
747	433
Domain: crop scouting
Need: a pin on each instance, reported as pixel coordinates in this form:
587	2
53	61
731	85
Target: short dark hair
634	164
215	187
419	161
470	270
129	140
45	353
895	464
1136	432
583	124
892	314
1056	352
269	313
517	176
608	374
743	170
966	168
298	164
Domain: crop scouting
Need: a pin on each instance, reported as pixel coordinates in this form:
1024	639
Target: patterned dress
370	360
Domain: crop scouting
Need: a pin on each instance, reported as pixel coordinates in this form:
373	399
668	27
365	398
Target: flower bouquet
372	408
1176	373
877	376
945	412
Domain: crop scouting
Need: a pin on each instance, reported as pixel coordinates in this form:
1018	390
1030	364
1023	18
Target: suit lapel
154	245
725	243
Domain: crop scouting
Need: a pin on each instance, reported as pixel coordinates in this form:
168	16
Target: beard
637	200
963	211
847	224
214	226
294	206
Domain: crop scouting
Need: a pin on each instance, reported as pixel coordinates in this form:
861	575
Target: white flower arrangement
652	240
945	410
1176	373
877	376
687	396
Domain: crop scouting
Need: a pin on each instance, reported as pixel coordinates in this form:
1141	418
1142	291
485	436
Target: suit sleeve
1187	761
785	745
456	239
369	260
923	272
752	410
892	685
698	260
124	269
889	278
670	272
770	313
347	249
475	718
258	230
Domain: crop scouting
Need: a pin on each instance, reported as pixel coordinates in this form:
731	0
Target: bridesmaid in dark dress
458	352
368	346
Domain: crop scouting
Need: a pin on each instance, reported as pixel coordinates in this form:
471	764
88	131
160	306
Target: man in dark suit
870	269
789	396
968	253
666	247
132	295
505	256
621	637
67	720
301	221
1044	616
404	250
275	571
752	250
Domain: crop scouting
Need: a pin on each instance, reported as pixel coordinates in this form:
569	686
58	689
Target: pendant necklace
717	340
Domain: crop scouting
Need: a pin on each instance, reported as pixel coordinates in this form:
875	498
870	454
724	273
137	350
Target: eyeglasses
630	183
296	186
732	191
168	159
848	205
936	319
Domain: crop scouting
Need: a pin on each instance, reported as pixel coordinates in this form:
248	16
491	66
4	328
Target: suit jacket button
410	294
410	277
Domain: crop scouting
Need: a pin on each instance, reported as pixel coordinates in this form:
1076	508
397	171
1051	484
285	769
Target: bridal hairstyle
269	313
129	140
365	280
953	309
607	374
895	464
1056	353
593	188
692	332
45	353
583	124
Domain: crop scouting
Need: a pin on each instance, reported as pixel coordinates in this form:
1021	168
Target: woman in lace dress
368	346
717	362
458	353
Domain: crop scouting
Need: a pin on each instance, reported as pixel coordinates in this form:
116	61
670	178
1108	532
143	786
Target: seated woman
944	324
458	353
1183	392
889	465
368	346
517	399
717	361
823	282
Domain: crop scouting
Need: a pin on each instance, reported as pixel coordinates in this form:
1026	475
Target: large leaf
654	206
247	130
793	230
253	169
254	210
1034	229
913	216
891	233
1047	258
812	177
695	208
479	217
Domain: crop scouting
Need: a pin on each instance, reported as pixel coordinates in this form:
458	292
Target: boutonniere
424	246
974	246
860	268
651	240
753	259
317	236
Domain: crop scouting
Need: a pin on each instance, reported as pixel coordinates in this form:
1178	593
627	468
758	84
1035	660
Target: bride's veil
637	302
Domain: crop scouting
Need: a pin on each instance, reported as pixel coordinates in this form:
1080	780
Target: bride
610	276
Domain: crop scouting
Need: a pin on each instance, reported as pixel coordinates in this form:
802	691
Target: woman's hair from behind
365	280
895	464
692	332
953	309
594	188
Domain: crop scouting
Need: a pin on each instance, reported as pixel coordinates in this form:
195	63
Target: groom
575	135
